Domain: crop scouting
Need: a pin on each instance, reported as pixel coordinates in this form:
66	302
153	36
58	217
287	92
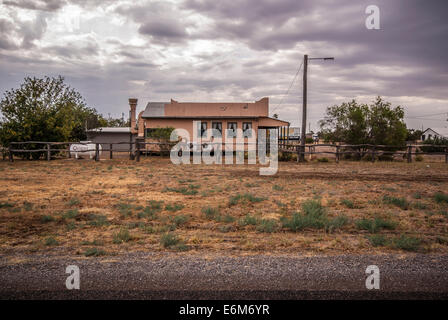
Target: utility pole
301	158
303	129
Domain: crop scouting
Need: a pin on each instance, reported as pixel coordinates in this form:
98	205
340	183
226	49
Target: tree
378	123
414	135
44	109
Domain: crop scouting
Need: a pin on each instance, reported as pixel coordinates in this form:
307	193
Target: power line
290	86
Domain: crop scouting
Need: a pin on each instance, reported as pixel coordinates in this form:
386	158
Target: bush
377	240
248	220
171	241
323	159
313	216
440	197
174	207
399	202
267	225
337	223
46	219
180	220
407	243
375	225
210	213
122	236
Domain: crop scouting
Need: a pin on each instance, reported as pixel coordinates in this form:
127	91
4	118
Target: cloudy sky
239	50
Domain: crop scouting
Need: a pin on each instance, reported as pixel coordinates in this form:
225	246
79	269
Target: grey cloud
163	29
43	5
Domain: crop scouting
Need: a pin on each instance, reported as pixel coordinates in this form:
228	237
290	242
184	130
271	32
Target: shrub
440	197
97	220
171	241
46	219
247	197
122	236
210	213
248	220
348	203
337	223
399	202
94	252
267	225
375	225
70	214
322	159
377	240
50	241
313	215
227	218
180	220
174	207
407	243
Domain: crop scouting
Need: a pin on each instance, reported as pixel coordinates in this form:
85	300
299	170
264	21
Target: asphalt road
179	276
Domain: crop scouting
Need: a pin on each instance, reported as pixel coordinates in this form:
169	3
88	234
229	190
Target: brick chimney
133	107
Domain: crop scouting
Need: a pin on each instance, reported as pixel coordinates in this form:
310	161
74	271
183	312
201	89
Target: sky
230	51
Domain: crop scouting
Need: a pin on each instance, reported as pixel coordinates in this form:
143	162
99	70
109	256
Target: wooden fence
138	147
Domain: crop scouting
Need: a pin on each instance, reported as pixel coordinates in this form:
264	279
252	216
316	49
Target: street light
303	130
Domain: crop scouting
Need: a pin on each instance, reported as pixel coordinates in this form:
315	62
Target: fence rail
137	147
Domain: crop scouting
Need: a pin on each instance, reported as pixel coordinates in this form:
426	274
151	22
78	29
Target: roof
111	129
154	109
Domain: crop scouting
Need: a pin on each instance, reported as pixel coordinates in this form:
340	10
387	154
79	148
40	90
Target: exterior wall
258	108
106	138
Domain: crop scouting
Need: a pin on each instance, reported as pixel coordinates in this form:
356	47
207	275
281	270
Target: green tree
44	109
353	123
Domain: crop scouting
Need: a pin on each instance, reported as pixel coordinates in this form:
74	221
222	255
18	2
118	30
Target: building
216	115
107	135
430	134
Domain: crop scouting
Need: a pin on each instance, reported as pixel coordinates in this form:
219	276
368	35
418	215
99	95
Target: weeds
174	207
248	220
267	225
171	241
375	225
440	197
121	236
399	202
246	198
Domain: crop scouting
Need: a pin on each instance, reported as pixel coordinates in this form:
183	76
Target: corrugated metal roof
111	129
154	109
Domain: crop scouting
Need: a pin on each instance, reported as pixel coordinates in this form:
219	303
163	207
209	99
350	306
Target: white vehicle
84	149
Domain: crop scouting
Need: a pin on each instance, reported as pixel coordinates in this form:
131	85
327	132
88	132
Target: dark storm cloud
163	30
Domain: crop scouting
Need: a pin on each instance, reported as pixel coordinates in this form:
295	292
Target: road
184	276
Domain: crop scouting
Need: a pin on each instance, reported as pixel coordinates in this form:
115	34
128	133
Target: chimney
133	107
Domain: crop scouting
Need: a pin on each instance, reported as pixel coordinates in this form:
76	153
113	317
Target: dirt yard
89	208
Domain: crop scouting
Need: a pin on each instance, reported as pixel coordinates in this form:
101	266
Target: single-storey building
107	135
211	115
430	134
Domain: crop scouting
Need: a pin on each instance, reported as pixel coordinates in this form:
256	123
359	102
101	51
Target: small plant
70	214
180	220
174	207
277	188
407	243
171	241
399	202
210	213
227	218
267	225
313	215
348	203
70	226
247	197
337	223
248	220
73	202
377	240
122	236
322	159
440	197
375	225
46	219
28	206
94	252
97	220
50	241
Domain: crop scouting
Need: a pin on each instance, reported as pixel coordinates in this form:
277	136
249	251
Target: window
232	126
247	129
203	131
217	126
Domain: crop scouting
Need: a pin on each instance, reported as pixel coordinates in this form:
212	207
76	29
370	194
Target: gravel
185	276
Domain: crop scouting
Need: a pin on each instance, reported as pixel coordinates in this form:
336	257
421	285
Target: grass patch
398	202
174	207
267	226
378	240
97	220
440	197
50	241
248	220
172	241
348	203
70	214
94	252
210	213
122	236
73	202
406	243
245	198
180	220
46	219
188	191
276	187
375	225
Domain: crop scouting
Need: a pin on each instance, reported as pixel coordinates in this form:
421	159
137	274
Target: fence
138	147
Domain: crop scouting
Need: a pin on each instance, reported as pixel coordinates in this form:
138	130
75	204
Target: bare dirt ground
111	207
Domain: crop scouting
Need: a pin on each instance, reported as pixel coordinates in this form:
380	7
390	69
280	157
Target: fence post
298	153
48	152
337	154
446	155
373	154
110	151
69	155
97	151
11	157
409	154
137	147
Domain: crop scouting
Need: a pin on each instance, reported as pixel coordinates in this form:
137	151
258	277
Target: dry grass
80	204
